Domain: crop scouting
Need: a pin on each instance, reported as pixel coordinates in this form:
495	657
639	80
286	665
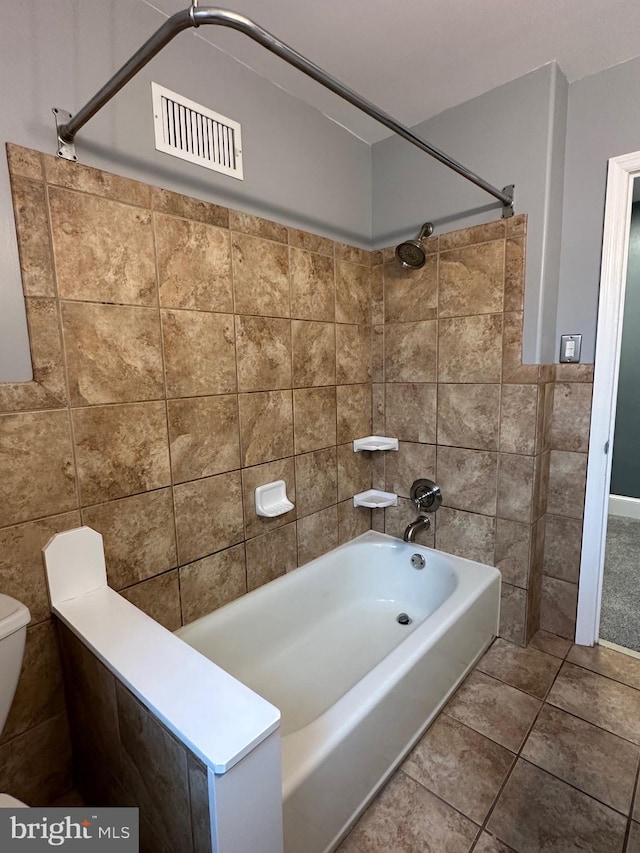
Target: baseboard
624	506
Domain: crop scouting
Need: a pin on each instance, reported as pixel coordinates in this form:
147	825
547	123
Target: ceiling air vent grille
194	133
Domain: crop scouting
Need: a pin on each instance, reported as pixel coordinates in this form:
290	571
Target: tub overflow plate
417	561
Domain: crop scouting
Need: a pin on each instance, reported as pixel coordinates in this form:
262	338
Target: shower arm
68	126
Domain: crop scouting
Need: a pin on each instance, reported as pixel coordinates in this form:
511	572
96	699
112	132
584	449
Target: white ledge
375	499
375	442
215	715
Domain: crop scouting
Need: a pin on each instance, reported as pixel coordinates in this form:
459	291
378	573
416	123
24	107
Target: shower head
411	253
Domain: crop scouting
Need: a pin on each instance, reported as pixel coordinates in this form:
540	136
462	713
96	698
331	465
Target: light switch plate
570	346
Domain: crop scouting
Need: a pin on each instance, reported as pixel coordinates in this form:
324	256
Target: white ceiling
416	58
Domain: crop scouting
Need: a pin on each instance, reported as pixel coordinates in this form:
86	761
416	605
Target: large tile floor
537	751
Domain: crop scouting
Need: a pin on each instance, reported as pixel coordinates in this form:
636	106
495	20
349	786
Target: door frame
615	248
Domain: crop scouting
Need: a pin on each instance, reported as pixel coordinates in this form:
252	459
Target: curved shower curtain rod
195	16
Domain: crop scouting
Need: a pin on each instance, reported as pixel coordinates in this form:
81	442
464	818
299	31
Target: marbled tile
353	293
598	700
377	353
410	351
165	201
516	225
211	582
282	469
469	415
461	766
353	254
314	353
466	534
315	414
410	295
317	534
559	604
550	643
574	372
527	669
39	694
616	665
208	515
120	450
353	412
310	242
636	807
354	472
316	480
541	484
514	274
21	567
194	265
377	408
396	519
410	412
544	416
24	162
199	353
513	614
266	426
567	480
377	294
138	536
411	461
459	342
490	844
159	598
248	224
515	487
353	354
534	604
494	709
271	555
406	818
36	765
86	179
32	231
35	448
538	812
471	280
468	479
518	413
47	360
513	370
571	416
204	436
562	548
148	749
352	521
474	234
263	346
312	286
513	550
103	249
260	276
113	353
199	802
633	844
592	760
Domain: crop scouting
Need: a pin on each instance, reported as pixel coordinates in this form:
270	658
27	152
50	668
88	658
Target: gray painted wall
300	168
513	134
625	468
603	121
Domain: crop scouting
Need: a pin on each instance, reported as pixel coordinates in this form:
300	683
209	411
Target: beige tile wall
450	384
183	354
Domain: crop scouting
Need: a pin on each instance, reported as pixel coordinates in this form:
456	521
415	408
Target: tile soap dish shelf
375	442
271	499
375	499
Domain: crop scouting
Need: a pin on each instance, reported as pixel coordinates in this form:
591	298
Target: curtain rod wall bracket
196	16
507	207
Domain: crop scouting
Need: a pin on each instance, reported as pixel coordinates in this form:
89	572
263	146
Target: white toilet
14	618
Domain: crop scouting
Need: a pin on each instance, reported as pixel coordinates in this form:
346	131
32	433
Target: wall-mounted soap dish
375	442
272	500
375	499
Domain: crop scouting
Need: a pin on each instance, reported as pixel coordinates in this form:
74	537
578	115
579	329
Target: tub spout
421	523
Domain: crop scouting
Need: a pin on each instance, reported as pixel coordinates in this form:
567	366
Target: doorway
609	596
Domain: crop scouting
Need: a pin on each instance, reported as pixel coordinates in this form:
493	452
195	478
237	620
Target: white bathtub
356	689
